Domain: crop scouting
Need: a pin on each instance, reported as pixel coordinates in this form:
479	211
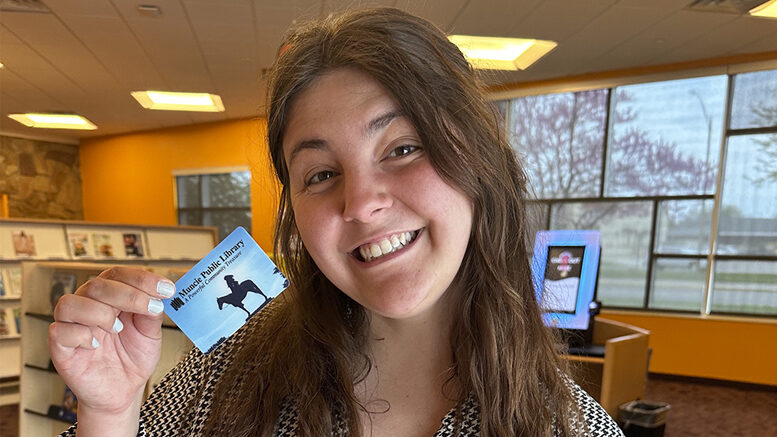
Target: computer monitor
564	272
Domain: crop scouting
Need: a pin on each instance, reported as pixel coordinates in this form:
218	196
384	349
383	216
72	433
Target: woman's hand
106	339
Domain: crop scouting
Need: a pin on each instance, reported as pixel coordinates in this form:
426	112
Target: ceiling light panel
169	101
767	9
53	121
491	53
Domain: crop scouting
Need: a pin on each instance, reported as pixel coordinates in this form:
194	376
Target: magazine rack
26	375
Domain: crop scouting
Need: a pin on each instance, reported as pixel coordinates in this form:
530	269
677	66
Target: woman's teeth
372	251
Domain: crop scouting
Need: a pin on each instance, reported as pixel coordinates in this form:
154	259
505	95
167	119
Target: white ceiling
86	56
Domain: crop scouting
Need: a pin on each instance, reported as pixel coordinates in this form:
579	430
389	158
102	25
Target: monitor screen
561	283
564	269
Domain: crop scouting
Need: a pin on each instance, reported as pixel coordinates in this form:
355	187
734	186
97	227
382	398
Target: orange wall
129	178
734	349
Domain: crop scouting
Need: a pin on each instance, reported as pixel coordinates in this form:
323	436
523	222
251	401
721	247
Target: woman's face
373	213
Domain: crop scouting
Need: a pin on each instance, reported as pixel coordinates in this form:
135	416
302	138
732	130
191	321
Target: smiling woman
411	310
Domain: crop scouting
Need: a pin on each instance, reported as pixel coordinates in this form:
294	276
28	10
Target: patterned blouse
191	383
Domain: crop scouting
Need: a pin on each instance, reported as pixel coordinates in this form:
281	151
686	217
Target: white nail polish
117	325
95	343
155	306
165	289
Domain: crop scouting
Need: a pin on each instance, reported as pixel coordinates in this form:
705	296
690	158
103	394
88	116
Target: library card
224	290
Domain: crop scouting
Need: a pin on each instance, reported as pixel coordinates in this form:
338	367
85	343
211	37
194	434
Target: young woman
401	225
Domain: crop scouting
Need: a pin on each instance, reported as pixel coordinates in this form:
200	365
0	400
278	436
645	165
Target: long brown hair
309	351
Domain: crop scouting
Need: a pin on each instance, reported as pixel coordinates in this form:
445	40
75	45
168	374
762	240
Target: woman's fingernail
117	325
155	306
165	289
95	343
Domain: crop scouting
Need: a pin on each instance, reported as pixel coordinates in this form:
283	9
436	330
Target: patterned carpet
698	409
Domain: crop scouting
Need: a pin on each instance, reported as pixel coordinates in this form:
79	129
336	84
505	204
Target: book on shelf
17	318
103	246
62	283
23	244
133	245
79	244
2	283
6	323
68	411
12	278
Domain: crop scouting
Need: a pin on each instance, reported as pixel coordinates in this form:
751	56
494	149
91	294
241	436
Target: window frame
200	172
610	83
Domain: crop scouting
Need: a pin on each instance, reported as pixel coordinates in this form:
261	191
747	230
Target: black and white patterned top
180	405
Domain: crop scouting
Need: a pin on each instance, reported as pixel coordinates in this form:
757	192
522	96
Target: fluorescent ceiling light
767	9
501	53
168	101
53	121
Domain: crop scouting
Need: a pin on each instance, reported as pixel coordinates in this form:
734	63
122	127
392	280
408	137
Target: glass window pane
501	108
748	216
745	287
678	284
625	229
561	139
665	137
188	188
227	190
537	219
227	221
684	227
755	100
190	218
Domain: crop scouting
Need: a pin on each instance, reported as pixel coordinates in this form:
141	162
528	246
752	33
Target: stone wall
41	179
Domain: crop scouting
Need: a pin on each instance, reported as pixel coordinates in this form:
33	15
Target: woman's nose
365	199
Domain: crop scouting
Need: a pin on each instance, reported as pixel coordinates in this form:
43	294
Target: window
561	139
682	229
222	200
665	137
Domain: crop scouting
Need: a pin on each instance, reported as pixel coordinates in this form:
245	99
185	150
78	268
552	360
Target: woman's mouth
372	251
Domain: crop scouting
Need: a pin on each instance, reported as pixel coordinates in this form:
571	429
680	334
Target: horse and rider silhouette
239	292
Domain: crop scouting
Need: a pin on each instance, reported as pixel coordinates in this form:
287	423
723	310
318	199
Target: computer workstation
609	358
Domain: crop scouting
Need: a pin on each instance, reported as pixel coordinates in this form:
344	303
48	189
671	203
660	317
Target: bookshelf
26	375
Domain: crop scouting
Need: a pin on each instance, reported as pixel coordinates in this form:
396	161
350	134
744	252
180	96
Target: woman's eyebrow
376	124
314	144
380	122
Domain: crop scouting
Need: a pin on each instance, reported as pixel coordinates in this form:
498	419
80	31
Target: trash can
643	418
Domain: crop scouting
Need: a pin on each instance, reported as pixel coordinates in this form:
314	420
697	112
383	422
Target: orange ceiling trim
638	71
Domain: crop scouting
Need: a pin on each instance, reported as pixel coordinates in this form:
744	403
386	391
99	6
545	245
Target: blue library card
222	291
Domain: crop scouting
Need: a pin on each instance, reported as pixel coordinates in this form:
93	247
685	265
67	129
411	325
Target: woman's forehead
344	101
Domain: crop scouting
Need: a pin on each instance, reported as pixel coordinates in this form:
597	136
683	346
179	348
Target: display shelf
27	357
44	317
50	369
47	416
9	390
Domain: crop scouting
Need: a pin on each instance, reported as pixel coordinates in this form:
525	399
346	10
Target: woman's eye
319	177
403	150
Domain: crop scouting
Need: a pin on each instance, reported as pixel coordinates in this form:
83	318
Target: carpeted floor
697	409
710	409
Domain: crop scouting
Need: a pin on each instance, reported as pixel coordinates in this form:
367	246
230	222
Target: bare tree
561	138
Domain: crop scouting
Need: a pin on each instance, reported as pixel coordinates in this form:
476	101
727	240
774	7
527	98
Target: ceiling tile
110	40
440	12
48	37
492	18
556	20
722	40
170	44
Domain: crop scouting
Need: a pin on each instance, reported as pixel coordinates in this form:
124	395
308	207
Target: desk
620	375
